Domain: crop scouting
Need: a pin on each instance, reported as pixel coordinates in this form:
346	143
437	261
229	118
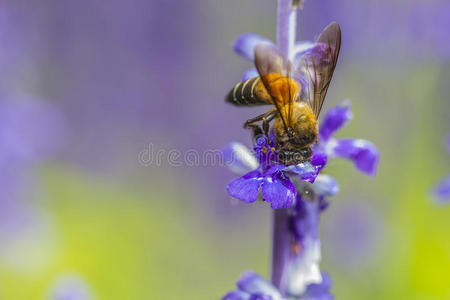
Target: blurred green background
120	78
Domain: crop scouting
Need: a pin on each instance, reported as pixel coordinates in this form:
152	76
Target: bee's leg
265	123
265	118
256	131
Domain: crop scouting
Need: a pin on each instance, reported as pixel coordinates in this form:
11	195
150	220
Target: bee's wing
314	68
269	60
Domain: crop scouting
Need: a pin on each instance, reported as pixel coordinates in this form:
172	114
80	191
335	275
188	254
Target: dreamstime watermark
151	156
238	158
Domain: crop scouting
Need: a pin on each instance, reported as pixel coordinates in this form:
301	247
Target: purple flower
442	190
252	286
275	180
271	177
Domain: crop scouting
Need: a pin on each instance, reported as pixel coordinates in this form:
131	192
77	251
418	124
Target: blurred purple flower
252	286
245	44
354	233
30	131
70	287
421	24
442	190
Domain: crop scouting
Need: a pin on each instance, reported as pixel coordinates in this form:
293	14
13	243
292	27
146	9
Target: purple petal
306	220
325	185
245	44
245	188
279	191
442	190
334	119
238	158
236	295
306	171
319	157
302	47
363	153
274	169
252	283
317	53
250	73
259	296
323	203
303	268
319	291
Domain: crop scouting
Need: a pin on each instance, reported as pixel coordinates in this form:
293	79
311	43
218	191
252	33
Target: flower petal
334	119
319	157
250	73
318	53
306	171
245	44
259	296
238	158
442	190
245	188
325	185
302	47
236	295
306	220
279	191
319	291
304	268
253	283
363	153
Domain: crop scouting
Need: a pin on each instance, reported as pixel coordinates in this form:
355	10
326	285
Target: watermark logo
153	156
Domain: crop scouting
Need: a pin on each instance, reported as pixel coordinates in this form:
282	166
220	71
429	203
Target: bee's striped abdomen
248	93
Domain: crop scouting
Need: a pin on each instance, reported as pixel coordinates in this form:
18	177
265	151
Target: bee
296	90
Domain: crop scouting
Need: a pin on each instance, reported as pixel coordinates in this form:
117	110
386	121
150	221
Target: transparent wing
315	66
274	70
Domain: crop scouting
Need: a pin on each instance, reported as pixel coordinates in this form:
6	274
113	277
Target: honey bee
296	90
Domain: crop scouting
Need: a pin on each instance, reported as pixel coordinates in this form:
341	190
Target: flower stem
281	247
286	26
286	30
